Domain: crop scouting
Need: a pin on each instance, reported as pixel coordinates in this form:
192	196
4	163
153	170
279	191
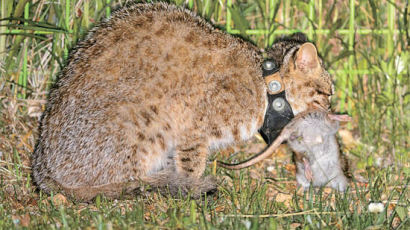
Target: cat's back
157	56
139	81
150	38
153	51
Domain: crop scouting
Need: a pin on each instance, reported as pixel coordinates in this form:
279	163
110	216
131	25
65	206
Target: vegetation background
365	44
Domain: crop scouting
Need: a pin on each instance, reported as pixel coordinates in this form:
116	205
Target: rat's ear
335	118
307	58
339	117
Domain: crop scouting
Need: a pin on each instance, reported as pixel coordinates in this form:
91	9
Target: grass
371	74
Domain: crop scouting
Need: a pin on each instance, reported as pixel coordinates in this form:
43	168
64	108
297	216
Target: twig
318	215
312	211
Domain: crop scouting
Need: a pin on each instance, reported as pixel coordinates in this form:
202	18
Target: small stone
60	199
270	168
376	207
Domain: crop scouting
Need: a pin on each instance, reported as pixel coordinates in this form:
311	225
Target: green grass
366	50
241	203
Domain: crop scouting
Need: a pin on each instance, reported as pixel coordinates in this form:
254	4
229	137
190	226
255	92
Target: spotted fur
307	87
143	100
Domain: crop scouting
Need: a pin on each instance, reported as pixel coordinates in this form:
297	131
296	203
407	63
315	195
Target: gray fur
314	138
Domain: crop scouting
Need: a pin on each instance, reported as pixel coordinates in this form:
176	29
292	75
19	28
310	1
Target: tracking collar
279	112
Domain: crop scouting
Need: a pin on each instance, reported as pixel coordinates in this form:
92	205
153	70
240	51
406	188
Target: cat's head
307	84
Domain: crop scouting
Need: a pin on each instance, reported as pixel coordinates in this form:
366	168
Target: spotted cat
149	93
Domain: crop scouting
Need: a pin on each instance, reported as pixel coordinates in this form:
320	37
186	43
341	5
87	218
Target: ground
260	197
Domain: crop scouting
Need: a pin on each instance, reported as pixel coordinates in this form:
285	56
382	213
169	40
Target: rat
312	137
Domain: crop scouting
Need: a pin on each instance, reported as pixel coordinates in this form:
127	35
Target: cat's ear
299	36
307	58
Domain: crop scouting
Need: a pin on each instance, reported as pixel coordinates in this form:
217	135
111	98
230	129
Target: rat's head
307	84
313	128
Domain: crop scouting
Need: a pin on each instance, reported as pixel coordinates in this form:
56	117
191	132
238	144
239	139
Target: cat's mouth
279	112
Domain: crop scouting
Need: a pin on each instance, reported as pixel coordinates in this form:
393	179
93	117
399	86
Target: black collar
279	112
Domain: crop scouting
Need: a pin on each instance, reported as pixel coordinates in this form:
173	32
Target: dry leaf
281	152
347	138
294	225
391	207
284	198
271	193
35	107
147	216
220	208
60	199
23	220
291	168
228	151
396	222
327	190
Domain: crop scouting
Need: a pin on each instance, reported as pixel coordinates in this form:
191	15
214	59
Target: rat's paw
339	183
302	180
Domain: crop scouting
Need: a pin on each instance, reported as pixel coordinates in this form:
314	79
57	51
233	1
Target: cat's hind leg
111	191
169	182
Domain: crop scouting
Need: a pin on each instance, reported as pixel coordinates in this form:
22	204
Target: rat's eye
295	137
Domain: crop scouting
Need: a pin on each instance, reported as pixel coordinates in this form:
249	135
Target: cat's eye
278	104
268	65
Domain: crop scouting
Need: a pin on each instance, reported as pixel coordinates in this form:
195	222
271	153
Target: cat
308	84
149	93
312	137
